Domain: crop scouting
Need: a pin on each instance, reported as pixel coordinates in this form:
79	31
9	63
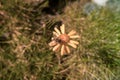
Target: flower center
64	38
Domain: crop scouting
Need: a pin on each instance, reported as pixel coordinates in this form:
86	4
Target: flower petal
57	30
67	49
52	43
75	36
62	28
74	42
55	33
71	33
73	45
62	50
56	47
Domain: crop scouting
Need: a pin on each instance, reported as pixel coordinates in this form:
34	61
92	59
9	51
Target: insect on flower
61	41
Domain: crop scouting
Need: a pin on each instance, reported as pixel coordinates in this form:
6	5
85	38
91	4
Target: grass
25	33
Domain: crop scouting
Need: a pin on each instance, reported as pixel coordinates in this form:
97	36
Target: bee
57	39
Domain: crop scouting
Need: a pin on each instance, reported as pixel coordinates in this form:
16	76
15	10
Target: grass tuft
25	32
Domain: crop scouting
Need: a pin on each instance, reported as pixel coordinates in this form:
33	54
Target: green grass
25	33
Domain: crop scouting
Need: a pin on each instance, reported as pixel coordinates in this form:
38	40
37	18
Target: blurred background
26	29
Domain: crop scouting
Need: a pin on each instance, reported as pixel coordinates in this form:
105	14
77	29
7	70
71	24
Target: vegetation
26	29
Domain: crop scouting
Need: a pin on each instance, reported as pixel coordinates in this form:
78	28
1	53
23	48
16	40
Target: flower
61	41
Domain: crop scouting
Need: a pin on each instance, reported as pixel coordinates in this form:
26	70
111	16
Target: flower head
61	41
